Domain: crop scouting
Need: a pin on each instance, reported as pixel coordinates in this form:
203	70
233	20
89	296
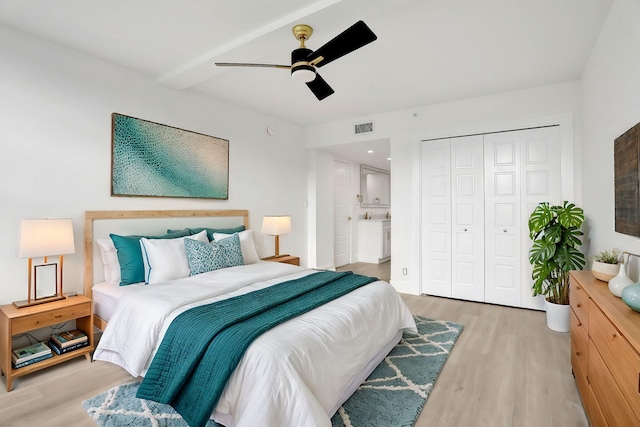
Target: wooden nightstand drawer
35	321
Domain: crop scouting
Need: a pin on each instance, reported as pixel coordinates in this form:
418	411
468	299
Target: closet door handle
465	229
504	231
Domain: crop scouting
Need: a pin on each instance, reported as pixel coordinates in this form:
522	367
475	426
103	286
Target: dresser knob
578	305
577	353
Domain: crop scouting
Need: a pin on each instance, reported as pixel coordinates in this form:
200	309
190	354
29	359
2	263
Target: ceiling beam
202	68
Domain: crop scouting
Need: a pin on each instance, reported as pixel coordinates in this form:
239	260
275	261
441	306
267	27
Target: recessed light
388	158
370	151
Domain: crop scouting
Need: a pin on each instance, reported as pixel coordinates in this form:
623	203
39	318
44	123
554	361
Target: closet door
467	218
541	178
503	231
436	217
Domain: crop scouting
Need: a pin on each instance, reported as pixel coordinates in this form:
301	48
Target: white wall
320	222
611	91
55	146
536	106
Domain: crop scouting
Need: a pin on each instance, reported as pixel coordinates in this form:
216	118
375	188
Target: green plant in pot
605	265
555	231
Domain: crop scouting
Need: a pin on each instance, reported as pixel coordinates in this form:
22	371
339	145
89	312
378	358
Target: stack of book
63	342
32	353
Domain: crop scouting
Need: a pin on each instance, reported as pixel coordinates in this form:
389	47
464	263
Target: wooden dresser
605	352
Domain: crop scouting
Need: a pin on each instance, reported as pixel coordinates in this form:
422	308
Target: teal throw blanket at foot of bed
203	345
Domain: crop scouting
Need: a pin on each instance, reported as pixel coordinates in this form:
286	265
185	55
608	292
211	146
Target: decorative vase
621	281
557	316
631	296
603	271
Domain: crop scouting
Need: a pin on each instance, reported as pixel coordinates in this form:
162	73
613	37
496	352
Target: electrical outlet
404	271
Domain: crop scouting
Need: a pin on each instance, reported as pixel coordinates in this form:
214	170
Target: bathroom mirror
375	187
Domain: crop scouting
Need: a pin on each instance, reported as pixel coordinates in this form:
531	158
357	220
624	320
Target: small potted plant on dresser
605	265
555	231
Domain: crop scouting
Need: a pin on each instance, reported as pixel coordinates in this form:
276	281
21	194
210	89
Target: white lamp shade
45	237
276	225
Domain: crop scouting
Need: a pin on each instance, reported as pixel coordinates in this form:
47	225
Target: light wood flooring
507	369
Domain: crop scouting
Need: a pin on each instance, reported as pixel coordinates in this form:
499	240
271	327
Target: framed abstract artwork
153	160
626	157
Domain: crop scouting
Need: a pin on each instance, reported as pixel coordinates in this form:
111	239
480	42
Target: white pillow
167	258
109	261
248	248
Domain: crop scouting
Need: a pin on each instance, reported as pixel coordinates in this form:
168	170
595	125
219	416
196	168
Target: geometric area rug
392	396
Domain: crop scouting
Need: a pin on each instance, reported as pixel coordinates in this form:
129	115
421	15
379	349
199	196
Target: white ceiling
427	52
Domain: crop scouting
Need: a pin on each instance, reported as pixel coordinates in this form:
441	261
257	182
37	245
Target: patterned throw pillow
214	255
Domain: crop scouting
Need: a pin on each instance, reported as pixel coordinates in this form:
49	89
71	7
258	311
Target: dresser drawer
579	349
579	301
596	417
615	409
618	355
37	320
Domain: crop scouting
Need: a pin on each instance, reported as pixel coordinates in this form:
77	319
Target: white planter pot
557	316
603	271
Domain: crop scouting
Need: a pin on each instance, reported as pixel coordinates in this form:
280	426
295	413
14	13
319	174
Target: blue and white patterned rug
392	396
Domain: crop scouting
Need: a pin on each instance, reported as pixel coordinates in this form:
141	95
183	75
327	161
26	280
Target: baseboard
405	287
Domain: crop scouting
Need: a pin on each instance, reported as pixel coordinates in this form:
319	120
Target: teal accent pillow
214	255
130	255
210	231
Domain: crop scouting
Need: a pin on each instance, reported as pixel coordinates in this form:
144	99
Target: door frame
349	196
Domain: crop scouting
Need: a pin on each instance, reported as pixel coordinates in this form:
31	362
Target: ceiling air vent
363	128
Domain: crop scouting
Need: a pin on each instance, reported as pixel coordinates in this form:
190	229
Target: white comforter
294	374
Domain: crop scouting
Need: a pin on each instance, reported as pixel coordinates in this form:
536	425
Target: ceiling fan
304	61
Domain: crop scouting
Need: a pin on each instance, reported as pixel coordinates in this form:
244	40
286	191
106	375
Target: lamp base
27	303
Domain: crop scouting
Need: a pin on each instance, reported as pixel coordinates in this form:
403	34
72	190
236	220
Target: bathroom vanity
374	240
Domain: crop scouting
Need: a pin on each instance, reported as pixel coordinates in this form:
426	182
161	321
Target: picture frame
626	155
149	159
45	281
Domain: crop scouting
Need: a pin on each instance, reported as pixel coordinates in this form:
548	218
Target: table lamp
41	238
276	226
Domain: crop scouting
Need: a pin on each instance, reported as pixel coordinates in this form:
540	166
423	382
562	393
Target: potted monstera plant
555	231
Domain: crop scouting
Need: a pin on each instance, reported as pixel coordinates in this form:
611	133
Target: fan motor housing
299	60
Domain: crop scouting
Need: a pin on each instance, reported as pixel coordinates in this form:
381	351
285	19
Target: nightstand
15	321
285	259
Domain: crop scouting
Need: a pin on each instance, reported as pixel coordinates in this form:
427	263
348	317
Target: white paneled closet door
436	217
503	254
541	178
477	195
467	218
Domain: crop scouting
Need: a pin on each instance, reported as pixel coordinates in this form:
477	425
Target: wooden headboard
91	216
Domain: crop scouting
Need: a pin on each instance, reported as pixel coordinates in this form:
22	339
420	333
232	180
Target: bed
298	373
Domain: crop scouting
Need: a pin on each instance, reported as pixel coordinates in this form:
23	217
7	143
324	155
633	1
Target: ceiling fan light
303	75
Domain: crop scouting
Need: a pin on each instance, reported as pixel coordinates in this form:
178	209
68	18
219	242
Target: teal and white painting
154	160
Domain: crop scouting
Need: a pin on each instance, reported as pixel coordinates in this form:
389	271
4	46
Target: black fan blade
243	64
352	38
320	88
